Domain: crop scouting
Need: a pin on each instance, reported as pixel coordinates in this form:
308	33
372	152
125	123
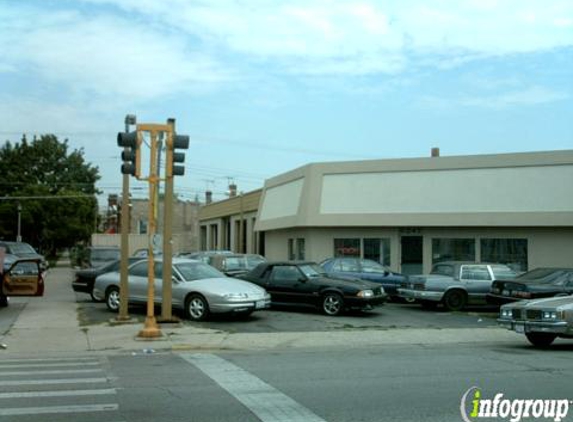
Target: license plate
260	304
505	293
519	328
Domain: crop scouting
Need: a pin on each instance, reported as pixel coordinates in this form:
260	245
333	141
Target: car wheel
94	297
455	300
196	308
409	299
540	339
3	301
332	304
112	299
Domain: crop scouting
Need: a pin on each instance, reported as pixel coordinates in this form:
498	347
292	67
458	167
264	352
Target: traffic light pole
166	302
123	286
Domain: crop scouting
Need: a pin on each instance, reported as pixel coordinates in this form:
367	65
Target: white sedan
197	288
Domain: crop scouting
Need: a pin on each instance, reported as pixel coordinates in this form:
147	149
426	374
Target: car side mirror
302	279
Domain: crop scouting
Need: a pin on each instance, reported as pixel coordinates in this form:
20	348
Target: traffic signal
131	155
181	142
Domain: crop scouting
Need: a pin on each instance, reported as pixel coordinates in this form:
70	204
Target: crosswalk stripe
265	401
60	371
59	409
61	393
48	365
49	360
54	381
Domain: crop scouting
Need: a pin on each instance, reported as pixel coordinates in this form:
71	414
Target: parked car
198	289
365	269
25	251
305	283
205	255
234	265
84	279
534	284
101	255
541	320
455	284
23	277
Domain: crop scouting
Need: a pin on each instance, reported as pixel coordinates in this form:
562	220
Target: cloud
529	96
104	55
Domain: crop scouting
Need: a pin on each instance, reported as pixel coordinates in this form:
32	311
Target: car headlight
235	296
365	293
549	315
506	313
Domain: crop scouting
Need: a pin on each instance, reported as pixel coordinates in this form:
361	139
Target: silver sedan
198	289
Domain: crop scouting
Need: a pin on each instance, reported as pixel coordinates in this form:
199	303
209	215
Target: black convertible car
534	284
305	283
84	279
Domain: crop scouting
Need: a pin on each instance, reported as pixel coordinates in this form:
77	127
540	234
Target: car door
138	279
23	278
477	280
284	283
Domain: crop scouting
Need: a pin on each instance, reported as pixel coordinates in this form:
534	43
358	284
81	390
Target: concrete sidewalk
50	325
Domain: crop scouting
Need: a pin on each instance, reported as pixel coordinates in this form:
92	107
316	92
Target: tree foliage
63	209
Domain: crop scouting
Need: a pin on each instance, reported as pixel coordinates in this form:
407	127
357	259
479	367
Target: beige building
230	224
408	213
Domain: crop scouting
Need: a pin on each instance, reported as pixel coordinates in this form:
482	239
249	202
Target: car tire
112	299
95	298
332	304
455	300
3	301
541	339
196	308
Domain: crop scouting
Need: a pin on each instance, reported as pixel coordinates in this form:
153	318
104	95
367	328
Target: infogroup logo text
474	407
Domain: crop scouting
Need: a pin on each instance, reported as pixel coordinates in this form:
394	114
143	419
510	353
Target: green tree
57	191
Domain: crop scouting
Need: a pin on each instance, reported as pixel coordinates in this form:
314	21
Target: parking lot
386	317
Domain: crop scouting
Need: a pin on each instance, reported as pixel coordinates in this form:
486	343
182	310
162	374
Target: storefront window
512	252
377	250
346	247
291	255
300	252
453	250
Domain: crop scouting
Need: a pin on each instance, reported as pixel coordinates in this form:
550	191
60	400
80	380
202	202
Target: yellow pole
151	329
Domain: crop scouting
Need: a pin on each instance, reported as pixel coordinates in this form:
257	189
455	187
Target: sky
265	86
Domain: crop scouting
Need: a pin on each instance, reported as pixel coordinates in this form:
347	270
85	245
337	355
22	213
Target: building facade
411	213
230	224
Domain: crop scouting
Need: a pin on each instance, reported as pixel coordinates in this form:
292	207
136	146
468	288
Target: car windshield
197	270
503	271
21	248
542	275
311	270
104	254
369	266
235	263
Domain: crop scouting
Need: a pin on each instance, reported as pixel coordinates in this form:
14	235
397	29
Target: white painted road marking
61	393
48	365
265	401
59	371
59	409
55	381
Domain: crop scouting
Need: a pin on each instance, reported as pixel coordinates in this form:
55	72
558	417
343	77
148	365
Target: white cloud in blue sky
265	86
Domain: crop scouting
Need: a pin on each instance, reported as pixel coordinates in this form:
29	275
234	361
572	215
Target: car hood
550	302
222	285
353	282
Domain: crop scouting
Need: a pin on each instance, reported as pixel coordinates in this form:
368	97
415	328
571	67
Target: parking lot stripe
55	381
48	365
265	401
15	411
61	393
60	371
